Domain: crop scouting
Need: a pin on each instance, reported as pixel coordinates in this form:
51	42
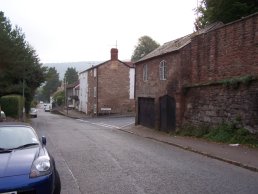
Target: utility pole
65	89
23	107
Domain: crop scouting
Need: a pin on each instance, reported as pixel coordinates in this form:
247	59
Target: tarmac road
98	159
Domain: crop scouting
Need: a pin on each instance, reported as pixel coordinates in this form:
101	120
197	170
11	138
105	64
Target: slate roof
168	47
179	43
127	63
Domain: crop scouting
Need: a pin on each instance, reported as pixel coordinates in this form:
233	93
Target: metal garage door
146	112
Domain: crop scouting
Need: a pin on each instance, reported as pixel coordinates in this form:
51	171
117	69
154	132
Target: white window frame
95	72
163	70
95	92
145	72
95	108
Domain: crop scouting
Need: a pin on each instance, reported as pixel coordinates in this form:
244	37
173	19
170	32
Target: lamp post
23	107
65	90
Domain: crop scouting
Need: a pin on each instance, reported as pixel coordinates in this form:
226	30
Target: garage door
167	113
146	112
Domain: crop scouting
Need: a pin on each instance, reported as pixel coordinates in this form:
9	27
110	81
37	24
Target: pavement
239	155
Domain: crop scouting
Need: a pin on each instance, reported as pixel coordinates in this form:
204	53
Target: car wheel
57	183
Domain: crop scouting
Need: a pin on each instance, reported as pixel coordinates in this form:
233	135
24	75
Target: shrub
12	105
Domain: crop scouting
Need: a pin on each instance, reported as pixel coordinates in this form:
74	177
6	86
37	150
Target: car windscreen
15	136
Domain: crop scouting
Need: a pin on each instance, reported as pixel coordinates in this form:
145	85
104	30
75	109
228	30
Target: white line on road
127	125
100	124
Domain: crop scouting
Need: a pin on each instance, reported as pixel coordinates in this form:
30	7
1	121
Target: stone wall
218	103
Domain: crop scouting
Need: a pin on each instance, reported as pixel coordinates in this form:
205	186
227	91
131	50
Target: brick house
108	87
184	80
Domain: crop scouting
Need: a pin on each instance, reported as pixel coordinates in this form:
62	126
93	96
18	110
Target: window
95	72
95	92
163	70
95	108
145	72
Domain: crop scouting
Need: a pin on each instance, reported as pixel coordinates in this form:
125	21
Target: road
94	157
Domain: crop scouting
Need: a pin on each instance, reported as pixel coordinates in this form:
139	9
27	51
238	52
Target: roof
179	43
73	84
128	64
168	47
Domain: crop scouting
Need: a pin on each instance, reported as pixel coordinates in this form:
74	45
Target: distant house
108	87
72	95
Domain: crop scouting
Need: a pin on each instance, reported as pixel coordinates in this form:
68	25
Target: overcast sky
86	30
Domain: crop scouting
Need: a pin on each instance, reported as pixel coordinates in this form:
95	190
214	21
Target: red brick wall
228	51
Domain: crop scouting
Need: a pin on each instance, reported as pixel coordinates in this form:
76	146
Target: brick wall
228	51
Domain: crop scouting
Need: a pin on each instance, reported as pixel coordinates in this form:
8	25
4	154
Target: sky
86	30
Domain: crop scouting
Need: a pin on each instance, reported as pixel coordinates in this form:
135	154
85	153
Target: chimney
114	54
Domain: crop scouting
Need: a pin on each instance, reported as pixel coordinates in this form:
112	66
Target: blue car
26	167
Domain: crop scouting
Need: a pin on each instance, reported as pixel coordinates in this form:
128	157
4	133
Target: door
167	113
146	112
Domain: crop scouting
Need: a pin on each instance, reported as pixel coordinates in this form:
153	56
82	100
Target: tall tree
225	11
20	68
52	83
145	45
71	75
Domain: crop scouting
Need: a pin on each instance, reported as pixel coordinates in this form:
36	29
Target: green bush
12	105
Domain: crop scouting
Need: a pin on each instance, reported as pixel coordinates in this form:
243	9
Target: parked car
25	164
2	116
33	112
47	108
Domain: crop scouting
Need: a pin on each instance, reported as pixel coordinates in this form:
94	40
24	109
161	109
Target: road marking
127	125
100	124
82	120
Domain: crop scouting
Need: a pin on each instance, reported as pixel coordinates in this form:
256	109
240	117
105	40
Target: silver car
33	112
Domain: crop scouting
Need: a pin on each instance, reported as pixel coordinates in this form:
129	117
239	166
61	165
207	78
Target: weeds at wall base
224	132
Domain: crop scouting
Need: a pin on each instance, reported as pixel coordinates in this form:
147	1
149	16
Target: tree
52	83
59	98
20	68
224	11
71	75
145	46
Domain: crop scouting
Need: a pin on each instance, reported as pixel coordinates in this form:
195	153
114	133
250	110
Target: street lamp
23	107
65	90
